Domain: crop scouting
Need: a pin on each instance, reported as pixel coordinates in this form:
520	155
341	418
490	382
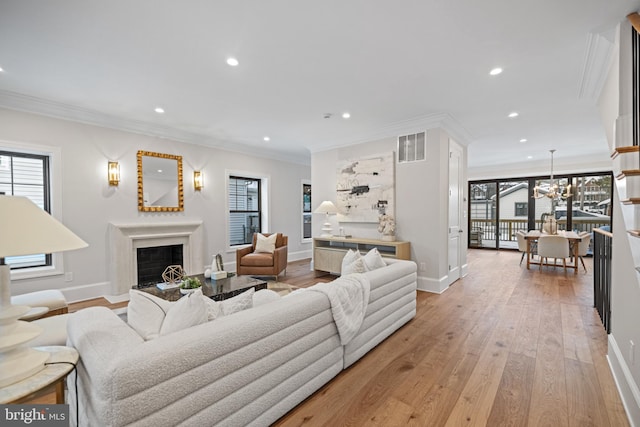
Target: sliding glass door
482	215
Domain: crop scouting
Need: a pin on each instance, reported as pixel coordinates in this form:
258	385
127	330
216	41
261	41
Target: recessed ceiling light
495	71
346	115
159	110
1	70
523	140
514	114
159	170
267	139
232	61
529	157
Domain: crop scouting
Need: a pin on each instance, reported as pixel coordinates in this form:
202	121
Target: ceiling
397	67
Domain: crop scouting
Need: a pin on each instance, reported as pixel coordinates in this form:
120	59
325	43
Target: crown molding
598	58
403	127
34	105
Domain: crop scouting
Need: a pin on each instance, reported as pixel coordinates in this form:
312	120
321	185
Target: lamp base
326	230
16	362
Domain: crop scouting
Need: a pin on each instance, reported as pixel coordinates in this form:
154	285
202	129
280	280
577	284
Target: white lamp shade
26	229
326	207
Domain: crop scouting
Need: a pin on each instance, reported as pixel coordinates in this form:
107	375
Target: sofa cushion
266	244
373	260
353	263
265	296
146	312
257	260
190	310
237	303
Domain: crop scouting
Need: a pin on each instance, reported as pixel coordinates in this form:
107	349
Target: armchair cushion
266	244
257	260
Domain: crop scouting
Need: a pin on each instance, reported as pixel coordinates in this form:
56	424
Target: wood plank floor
504	346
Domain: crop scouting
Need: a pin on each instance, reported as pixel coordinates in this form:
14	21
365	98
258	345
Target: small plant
190	283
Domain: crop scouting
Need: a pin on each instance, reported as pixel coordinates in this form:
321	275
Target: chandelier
554	192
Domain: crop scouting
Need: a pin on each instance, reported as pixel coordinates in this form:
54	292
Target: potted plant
189	284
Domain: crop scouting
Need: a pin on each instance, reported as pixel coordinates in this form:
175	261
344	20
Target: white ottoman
53	299
55	331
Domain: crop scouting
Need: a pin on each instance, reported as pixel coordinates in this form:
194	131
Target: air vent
412	148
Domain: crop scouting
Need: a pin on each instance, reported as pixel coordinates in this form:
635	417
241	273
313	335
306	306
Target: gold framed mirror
159	182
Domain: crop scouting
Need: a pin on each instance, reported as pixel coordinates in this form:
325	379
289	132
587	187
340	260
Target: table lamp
327	207
25	229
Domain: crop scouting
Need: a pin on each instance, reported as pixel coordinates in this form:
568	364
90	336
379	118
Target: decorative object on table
26	229
554	193
387	226
326	207
219	263
364	186
217	275
549	224
207	273
190	284
173	274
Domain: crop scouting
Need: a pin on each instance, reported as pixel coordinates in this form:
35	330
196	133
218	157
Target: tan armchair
249	262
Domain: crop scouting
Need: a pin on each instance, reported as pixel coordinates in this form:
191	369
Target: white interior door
455	211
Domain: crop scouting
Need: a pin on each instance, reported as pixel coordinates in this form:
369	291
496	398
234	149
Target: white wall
89	204
625	286
421	202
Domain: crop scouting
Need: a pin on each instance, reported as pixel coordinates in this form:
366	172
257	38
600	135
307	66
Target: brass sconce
198	180
113	172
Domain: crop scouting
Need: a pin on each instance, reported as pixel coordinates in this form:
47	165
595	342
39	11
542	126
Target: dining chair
583	247
522	243
555	247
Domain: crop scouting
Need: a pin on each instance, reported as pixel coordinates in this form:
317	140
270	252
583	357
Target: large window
244	209
26	175
499	208
306	211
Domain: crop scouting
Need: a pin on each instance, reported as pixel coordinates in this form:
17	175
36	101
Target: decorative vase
187	291
388	237
550	226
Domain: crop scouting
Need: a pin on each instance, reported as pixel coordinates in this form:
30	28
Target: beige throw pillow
373	260
266	244
353	262
186	312
146	312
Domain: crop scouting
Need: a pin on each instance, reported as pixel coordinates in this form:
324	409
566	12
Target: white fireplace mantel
125	239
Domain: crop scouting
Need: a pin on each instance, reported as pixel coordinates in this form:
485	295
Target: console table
329	251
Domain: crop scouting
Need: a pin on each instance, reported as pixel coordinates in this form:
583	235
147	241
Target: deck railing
602	241
507	228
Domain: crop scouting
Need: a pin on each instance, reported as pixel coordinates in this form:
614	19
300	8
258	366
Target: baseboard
465	270
436	286
627	387
86	292
297	256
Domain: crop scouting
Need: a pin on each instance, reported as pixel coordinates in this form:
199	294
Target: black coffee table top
217	290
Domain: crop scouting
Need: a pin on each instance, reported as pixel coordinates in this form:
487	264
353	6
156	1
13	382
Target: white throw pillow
265	296
146	312
214	310
266	244
353	263
237	303
188	311
373	260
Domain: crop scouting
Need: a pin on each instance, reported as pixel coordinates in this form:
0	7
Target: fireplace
152	261
126	239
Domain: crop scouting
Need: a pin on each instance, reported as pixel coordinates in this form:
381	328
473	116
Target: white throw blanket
349	297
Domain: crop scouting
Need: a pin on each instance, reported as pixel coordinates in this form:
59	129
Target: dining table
572	237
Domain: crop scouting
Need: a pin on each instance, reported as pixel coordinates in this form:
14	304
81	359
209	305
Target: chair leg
584	266
522	257
564	264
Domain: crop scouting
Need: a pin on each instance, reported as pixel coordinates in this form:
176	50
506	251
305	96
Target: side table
62	360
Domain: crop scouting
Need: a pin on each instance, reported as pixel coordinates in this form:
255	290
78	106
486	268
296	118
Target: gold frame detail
141	206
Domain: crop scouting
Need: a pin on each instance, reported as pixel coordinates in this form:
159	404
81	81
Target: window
306	211
23	174
245	217
521	209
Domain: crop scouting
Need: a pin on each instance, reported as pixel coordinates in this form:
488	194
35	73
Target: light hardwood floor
504	346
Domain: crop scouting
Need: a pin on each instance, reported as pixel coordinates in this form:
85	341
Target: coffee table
217	290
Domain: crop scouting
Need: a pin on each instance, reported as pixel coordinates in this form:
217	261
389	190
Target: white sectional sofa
248	368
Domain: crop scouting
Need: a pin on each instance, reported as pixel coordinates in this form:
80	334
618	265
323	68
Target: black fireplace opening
153	261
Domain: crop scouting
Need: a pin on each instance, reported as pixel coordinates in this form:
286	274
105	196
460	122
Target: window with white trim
26	174
245	209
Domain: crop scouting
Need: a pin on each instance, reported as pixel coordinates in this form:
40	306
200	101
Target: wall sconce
198	180
113	171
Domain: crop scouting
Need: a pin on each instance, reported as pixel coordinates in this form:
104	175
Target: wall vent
412	148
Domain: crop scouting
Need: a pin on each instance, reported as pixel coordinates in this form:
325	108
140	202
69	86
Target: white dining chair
522	243
583	247
553	247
